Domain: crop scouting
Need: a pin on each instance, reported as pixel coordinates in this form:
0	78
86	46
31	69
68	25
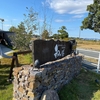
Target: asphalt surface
91	67
91	53
5	50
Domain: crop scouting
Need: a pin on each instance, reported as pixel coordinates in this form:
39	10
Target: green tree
62	32
92	21
55	36
45	34
21	39
25	30
13	37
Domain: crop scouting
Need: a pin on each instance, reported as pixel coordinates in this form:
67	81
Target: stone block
20	89
31	94
50	95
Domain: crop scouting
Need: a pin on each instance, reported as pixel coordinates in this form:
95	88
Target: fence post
98	63
12	65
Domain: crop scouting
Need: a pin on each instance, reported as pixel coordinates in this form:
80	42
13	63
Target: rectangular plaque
50	50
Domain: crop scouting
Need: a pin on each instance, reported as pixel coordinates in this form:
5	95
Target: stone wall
29	83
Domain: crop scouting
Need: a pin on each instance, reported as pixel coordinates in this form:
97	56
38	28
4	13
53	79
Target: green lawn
83	87
6	90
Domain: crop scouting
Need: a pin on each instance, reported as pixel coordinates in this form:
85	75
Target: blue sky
69	13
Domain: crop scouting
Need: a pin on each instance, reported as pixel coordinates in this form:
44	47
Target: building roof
7	32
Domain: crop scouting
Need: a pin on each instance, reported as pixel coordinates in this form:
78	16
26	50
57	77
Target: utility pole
2	22
79	33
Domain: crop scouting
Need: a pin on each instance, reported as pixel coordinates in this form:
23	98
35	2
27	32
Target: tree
21	39
55	36
45	34
62	32
30	20
25	30
13	37
92	21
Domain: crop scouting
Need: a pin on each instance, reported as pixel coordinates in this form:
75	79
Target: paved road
91	67
91	53
5	50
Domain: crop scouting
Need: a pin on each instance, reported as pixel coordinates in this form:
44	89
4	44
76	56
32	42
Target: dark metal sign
50	50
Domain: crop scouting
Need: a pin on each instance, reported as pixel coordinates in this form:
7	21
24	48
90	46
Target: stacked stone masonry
29	83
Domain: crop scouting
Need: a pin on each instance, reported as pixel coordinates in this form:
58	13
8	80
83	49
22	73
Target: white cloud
59	20
14	19
78	16
7	25
69	6
40	20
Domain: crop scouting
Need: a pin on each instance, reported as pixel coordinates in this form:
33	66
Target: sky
69	13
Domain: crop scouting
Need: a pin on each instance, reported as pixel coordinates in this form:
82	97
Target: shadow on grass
4	73
82	87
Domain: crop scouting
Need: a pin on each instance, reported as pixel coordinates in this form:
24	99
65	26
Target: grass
88	44
83	87
91	47
6	88
22	58
92	60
